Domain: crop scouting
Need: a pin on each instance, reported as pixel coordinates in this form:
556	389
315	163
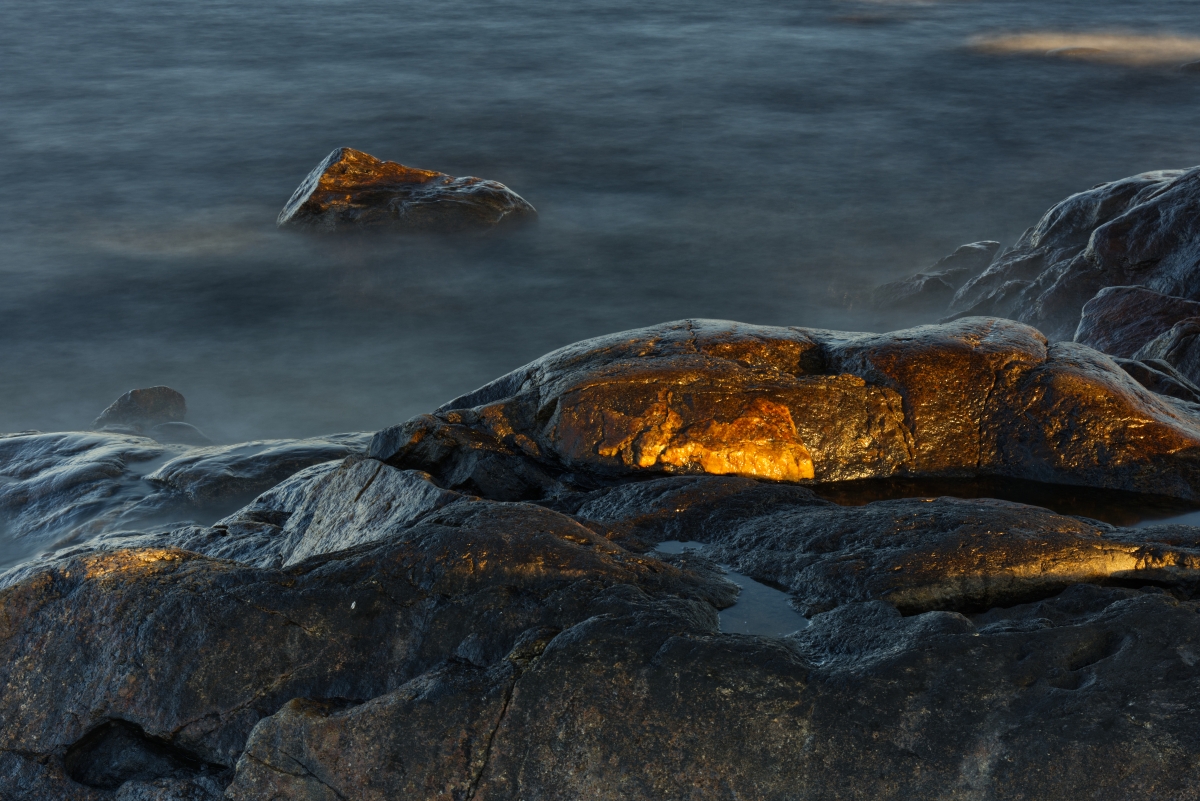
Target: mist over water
758	161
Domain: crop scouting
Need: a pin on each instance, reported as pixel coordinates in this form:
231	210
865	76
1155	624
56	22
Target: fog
758	161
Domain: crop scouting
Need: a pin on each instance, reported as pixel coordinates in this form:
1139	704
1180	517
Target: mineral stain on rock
352	190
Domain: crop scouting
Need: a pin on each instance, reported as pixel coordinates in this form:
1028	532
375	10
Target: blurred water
760	161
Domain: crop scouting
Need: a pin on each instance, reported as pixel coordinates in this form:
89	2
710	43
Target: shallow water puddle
759	609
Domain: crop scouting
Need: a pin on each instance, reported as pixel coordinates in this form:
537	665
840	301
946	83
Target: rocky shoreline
471	604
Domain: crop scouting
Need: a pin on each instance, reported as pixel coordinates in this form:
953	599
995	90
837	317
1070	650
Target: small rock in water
140	409
933	290
1191	66
354	190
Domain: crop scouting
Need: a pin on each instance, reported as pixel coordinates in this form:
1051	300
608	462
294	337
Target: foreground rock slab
979	396
352	190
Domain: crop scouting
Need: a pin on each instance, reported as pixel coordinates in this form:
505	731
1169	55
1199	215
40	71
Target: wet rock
1143	230
232	474
976	397
140	409
1178	348
1160	376
178	434
1121	320
930	292
352	190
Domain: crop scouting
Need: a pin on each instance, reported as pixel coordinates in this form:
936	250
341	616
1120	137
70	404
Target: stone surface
1121	320
474	609
140	409
1143	230
931	291
178	434
976	397
352	190
1177	347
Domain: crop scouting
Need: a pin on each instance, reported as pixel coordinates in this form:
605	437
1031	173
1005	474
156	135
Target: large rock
1178	347
1143	230
979	396
353	190
141	409
1121	320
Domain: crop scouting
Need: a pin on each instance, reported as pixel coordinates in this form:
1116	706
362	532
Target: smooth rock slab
352	190
1121	320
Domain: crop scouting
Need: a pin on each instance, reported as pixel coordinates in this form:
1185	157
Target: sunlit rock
975	397
354	190
1143	230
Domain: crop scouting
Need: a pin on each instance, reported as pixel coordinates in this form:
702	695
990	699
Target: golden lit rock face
976	397
760	443
354	190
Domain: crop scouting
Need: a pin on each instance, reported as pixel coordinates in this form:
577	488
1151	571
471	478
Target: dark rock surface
979	396
1121	320
931	291
140	409
352	190
1178	348
497	624
1143	230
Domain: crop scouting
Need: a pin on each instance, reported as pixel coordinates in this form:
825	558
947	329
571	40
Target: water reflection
759	609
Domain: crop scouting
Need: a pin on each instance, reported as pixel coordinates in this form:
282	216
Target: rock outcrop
931	291
352	190
475	608
979	396
1138	231
1122	320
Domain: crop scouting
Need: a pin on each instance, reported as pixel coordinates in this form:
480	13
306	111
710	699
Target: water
759	609
760	161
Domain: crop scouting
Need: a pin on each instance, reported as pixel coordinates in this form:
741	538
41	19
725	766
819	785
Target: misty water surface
760	161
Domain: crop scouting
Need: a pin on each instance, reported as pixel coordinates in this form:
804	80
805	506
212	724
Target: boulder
1122	320
352	190
930	292
139	409
178	434
1143	230
978	396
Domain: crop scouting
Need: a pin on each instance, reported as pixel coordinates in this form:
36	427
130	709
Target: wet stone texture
474	609
352	190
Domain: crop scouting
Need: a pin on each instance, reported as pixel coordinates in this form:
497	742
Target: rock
354	190
932	291
976	397
225	474
140	409
1121	320
1159	376
1143	230
178	434
1192	67
1176	347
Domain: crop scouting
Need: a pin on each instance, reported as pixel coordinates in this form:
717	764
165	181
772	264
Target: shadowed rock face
352	190
1143	230
1121	320
140	409
932	291
979	396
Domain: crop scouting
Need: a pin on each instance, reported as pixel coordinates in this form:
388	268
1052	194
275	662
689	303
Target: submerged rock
354	190
140	409
976	397
1143	230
